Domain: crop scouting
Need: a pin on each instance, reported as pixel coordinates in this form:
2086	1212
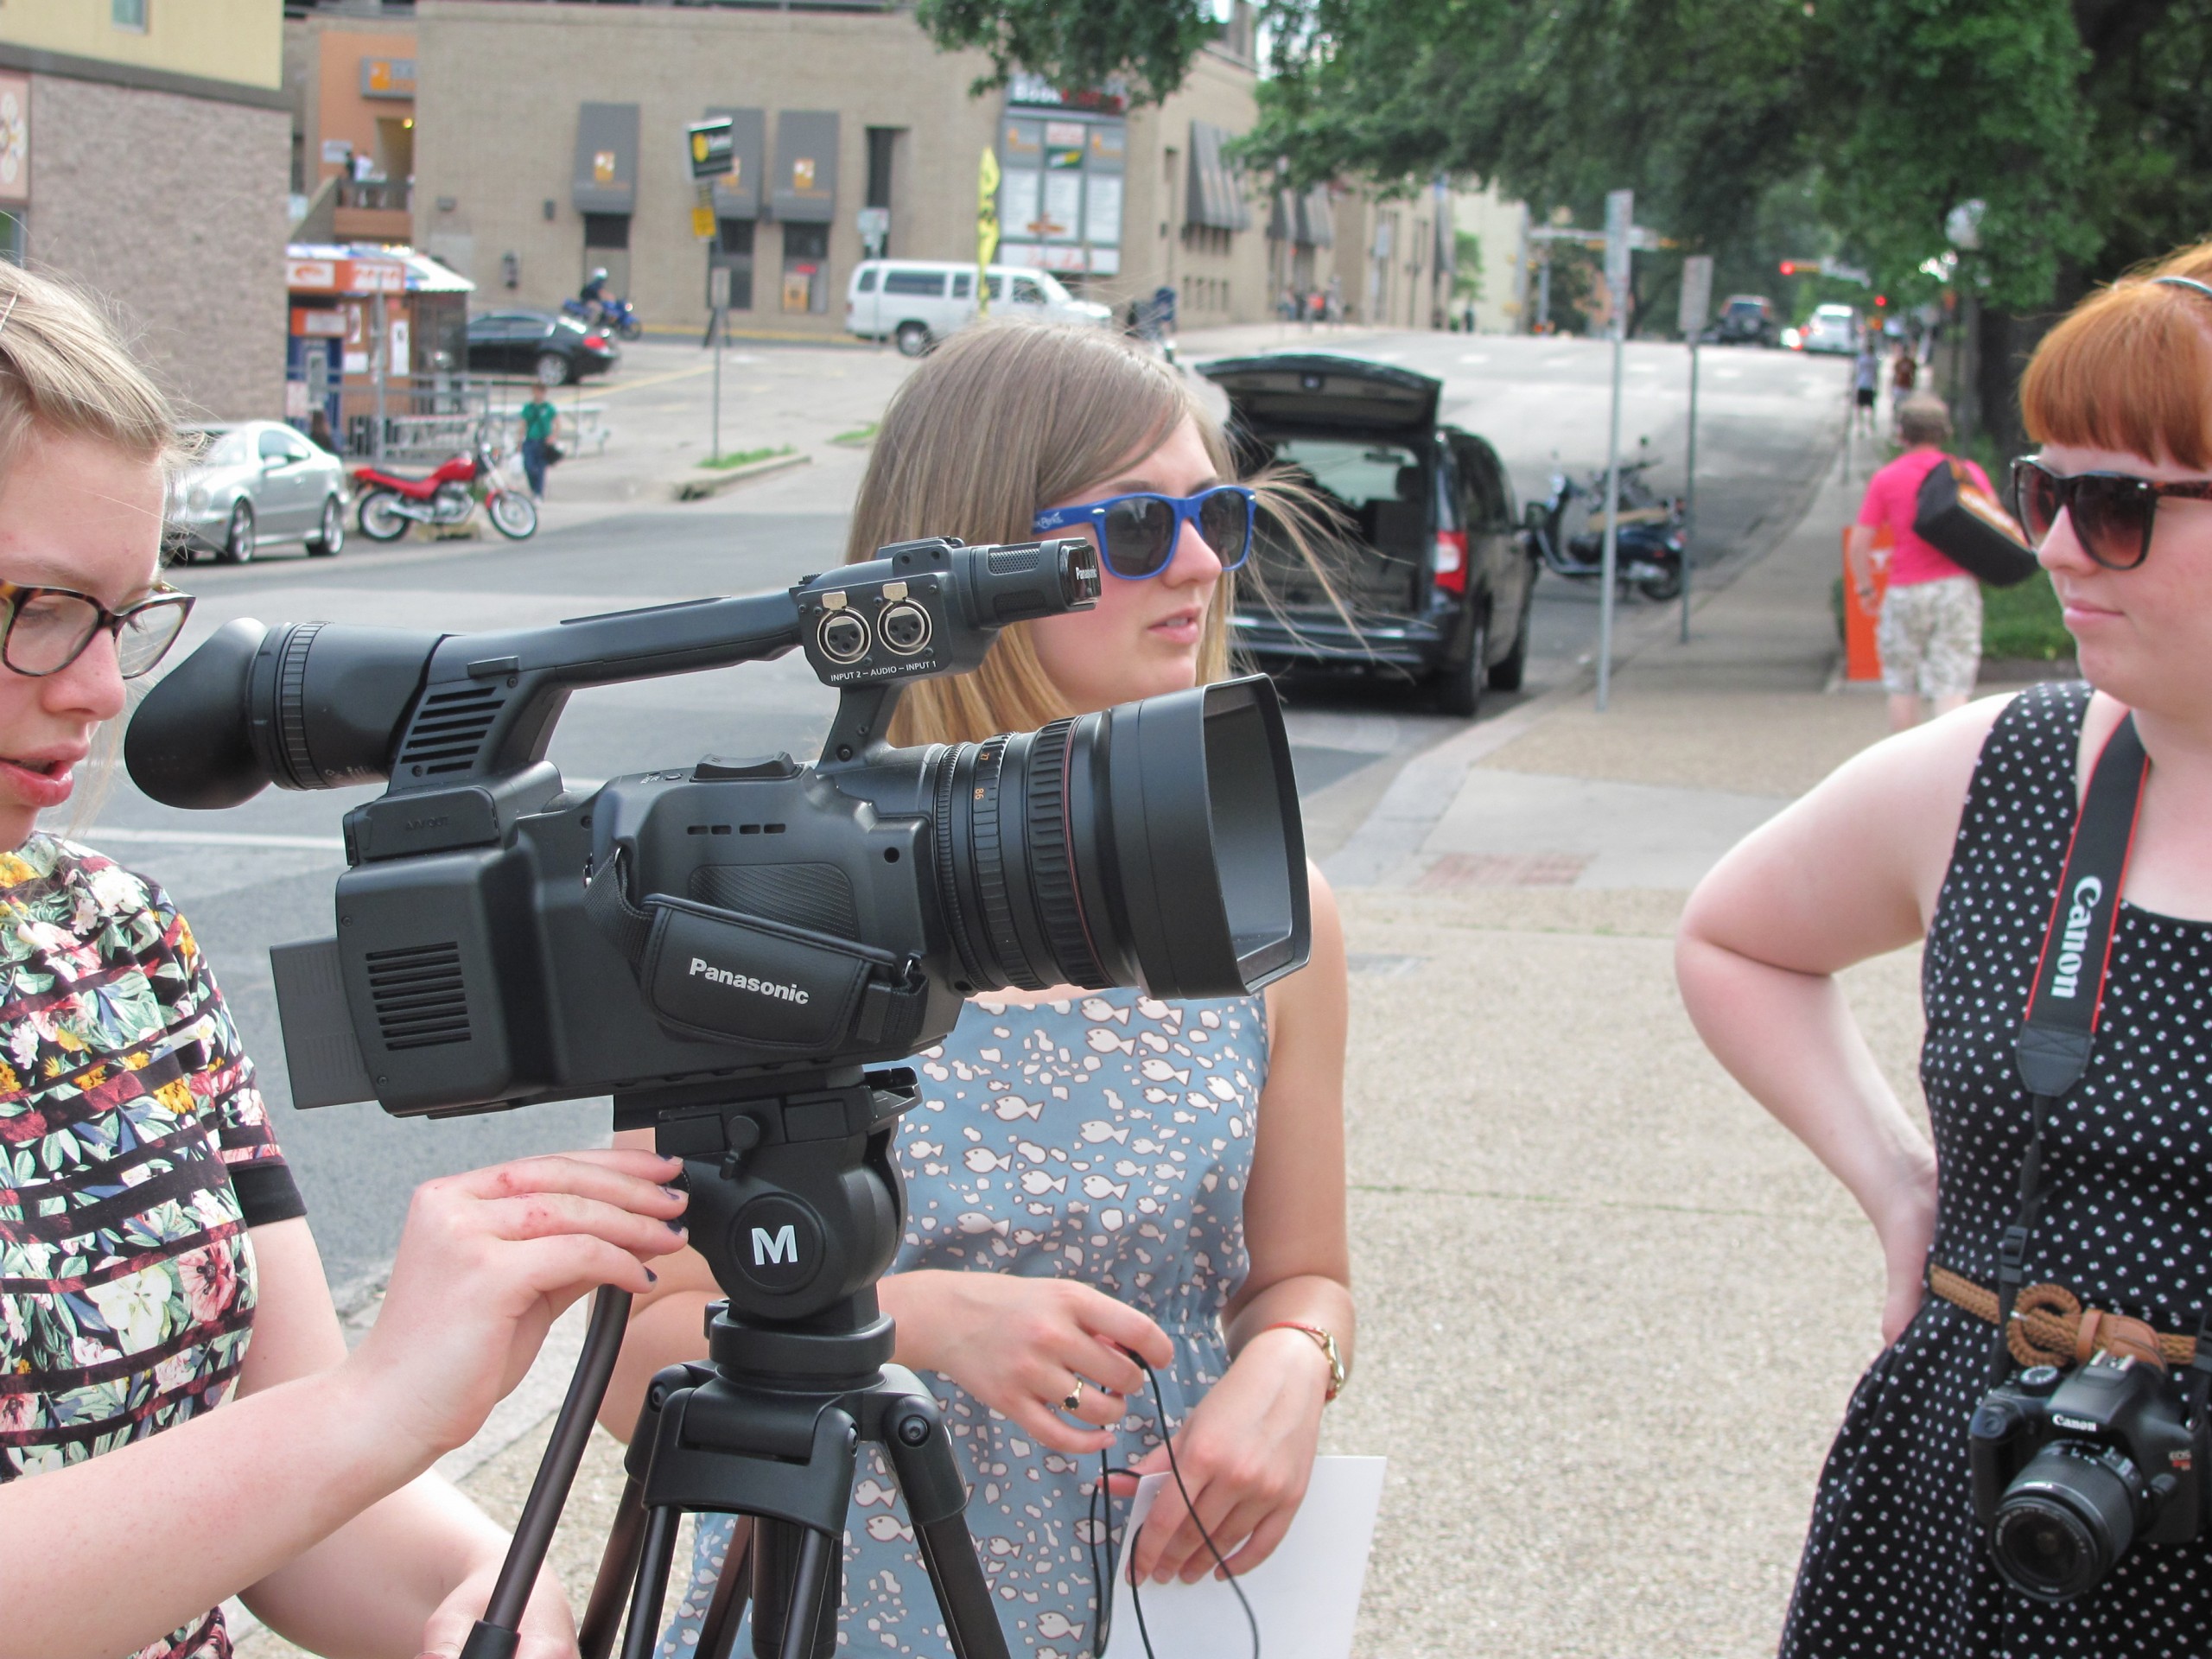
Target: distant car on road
1435	572
254	485
538	345
918	302
1833	329
1747	319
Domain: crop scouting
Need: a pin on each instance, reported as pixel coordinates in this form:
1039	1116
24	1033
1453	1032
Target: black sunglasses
2112	512
48	628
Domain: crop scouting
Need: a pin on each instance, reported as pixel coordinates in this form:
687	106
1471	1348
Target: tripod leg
618	1571
718	1631
797	1573
936	1502
644	1633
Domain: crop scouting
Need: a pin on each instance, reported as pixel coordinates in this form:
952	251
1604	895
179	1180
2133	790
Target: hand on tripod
486	1263
1022	1345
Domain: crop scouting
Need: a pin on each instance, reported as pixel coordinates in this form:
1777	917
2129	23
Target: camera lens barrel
2069	1518
1155	843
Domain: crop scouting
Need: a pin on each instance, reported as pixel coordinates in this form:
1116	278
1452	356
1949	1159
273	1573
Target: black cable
1099	1496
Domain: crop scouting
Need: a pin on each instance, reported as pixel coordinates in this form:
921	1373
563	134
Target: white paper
1305	1595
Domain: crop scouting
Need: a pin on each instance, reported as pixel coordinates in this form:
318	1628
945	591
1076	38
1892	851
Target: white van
918	302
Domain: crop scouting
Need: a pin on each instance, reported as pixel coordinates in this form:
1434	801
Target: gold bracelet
1326	1342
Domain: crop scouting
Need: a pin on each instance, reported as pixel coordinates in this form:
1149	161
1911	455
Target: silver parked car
255	484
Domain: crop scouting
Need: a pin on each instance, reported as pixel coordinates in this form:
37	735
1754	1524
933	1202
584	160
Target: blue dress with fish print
1107	1139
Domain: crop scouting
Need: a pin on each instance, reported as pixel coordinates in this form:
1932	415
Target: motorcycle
1648	545
392	501
616	316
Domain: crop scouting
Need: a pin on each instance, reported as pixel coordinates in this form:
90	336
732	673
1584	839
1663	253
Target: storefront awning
606	158
806	167
1214	197
738	195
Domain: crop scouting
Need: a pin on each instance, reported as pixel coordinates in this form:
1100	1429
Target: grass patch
857	436
2024	621
746	457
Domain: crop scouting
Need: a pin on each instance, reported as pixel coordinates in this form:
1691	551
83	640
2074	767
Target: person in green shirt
538	420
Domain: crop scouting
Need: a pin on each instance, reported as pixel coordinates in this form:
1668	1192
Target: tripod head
797	1206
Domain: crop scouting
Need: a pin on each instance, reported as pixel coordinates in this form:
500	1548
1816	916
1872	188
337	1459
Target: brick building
572	155
145	152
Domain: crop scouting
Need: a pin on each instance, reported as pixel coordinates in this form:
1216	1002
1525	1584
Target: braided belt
2050	1327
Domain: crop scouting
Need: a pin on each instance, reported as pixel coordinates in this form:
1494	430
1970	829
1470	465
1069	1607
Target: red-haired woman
1957	833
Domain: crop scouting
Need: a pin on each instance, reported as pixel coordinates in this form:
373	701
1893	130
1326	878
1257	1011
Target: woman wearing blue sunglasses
1090	1171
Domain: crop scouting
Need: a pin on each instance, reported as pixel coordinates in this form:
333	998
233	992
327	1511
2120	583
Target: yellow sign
987	227
702	224
698	146
803	174
602	166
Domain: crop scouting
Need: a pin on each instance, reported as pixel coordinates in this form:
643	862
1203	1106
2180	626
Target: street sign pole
1620	218
1697	304
718	302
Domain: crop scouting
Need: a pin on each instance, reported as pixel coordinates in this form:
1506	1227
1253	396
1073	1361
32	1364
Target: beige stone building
551	140
145	152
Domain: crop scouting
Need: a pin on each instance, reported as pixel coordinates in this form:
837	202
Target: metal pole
1689	501
1612	520
1620	219
722	324
377	348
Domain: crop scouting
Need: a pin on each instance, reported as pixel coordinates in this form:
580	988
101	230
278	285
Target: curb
698	485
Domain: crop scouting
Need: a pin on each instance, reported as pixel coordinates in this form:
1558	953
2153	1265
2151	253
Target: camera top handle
319	706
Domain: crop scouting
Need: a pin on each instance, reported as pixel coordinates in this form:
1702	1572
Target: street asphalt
1610	1314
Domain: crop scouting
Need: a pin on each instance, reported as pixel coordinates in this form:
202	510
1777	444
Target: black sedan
539	345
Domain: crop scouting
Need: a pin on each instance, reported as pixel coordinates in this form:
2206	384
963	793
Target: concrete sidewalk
1610	1313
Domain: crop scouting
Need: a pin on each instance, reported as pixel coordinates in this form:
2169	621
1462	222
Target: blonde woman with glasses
179	1420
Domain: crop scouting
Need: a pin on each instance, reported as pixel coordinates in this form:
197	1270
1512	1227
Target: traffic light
1880	301
1790	267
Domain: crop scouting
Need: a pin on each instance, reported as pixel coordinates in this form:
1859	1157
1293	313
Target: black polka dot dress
1895	1564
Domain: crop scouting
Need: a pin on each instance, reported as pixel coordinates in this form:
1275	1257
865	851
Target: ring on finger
1074	1398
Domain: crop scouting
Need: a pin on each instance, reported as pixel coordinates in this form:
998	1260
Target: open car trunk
1361	435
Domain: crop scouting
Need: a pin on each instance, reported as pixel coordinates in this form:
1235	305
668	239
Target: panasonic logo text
2074	940
701	968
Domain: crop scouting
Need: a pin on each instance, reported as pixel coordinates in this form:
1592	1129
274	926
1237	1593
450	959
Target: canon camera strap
2060	1026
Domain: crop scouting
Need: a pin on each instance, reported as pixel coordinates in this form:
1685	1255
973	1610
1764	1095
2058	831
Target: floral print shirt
135	1153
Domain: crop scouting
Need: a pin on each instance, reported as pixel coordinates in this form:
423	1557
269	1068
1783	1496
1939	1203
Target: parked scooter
392	501
1649	542
616	316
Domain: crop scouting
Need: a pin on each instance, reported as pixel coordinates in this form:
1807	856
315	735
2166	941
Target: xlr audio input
843	637
905	627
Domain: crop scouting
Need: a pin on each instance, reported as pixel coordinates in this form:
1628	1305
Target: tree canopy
1147	45
2075	126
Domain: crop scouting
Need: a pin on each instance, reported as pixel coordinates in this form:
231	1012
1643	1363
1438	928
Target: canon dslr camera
2073	1469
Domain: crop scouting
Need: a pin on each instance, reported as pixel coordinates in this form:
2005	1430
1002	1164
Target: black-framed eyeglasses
2112	512
48	628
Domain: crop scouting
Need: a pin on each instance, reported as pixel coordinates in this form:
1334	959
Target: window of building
606	230
806	267
734	252
15	236
881	143
128	13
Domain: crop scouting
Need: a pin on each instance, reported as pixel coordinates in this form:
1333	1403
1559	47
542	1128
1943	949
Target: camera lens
1155	843
2063	1522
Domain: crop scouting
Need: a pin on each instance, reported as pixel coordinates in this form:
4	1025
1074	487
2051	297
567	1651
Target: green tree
1466	265
1146	44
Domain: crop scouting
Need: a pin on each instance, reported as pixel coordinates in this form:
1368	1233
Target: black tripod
797	1206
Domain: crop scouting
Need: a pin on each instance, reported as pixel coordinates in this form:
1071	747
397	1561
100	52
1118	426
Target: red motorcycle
392	501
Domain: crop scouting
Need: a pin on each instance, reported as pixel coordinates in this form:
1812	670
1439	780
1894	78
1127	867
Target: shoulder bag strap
2058	1032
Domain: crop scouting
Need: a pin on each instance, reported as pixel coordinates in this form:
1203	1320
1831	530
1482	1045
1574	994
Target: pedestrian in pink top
1929	634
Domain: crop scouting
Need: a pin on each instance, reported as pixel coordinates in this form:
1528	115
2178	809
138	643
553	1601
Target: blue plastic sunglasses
1137	533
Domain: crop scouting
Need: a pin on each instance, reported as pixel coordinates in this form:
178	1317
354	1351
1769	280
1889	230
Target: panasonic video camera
728	926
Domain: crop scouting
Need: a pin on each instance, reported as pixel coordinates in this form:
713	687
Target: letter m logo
781	1246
